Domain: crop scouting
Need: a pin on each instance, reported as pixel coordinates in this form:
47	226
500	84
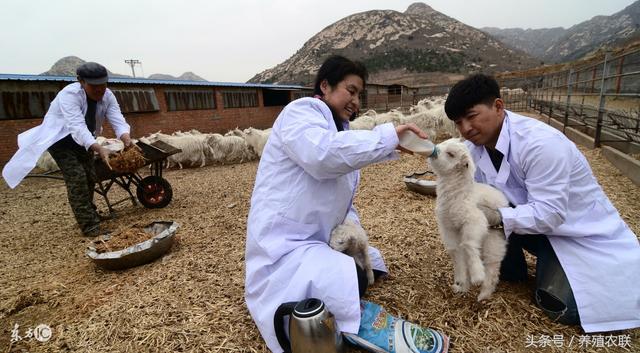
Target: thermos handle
278	323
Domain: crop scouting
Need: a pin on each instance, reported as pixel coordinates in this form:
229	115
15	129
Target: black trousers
363	282
553	293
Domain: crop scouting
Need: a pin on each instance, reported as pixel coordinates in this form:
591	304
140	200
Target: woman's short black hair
335	69
473	90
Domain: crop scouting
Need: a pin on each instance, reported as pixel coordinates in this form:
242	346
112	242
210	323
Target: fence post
602	99
551	101
542	84
566	109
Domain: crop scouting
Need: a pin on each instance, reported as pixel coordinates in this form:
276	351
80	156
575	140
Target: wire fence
600	98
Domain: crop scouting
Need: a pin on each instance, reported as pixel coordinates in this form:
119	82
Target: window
25	105
395	90
190	99
136	100
240	98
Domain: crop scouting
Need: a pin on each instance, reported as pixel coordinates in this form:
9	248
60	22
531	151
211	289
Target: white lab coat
544	174
65	116
306	181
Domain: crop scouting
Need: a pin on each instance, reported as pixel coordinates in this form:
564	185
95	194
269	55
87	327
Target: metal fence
402	98
600	98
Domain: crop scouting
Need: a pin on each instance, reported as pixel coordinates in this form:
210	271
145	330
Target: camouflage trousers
78	171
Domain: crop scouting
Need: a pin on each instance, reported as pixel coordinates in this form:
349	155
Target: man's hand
126	139
103	152
494	218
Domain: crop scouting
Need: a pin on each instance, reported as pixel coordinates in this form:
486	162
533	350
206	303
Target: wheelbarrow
153	191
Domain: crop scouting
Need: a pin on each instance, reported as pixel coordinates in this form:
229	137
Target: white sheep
351	239
46	163
193	150
429	114
228	149
257	139
236	132
363	122
463	226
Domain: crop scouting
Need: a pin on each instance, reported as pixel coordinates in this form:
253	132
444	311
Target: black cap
92	73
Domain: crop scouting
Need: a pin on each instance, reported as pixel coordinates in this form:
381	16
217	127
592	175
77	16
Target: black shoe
95	231
105	217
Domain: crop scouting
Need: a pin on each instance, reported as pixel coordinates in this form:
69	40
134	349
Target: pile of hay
122	240
127	161
191	300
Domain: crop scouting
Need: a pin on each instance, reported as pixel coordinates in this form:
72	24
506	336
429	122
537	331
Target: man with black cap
68	132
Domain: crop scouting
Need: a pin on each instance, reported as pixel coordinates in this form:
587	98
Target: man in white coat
588	260
68	132
304	188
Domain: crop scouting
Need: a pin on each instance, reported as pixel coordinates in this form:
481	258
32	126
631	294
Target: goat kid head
453	158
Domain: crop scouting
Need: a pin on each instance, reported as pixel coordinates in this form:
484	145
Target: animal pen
598	98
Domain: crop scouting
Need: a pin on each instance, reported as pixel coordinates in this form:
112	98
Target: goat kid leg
493	251
460	278
367	266
472	238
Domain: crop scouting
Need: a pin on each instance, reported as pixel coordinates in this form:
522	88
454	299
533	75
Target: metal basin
421	186
162	235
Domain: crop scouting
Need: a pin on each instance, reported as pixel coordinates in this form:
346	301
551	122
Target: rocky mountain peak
420	40
419	8
559	44
67	67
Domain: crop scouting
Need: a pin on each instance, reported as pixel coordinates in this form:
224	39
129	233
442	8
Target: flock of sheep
238	146
476	250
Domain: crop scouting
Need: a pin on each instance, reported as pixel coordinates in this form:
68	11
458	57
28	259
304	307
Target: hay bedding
191	300
127	161
123	239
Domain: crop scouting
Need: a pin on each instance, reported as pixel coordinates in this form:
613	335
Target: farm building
148	105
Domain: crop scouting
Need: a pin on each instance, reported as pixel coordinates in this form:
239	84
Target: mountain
559	45
418	41
187	76
535	42
67	67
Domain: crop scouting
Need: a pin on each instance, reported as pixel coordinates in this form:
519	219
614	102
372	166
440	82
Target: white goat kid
351	239
463	226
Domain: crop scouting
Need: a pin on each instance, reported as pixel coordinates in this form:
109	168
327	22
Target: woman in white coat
588	260
305	185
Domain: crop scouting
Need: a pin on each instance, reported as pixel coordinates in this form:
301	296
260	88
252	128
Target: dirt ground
191	300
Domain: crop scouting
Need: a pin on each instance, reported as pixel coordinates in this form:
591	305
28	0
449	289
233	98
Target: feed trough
421	186
161	237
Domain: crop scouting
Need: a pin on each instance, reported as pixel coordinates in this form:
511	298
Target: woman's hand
401	129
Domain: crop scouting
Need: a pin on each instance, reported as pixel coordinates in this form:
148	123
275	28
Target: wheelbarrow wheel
154	192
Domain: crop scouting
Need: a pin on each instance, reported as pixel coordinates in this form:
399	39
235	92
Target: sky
225	40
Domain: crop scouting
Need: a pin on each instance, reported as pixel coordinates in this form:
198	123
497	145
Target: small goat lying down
351	239
476	249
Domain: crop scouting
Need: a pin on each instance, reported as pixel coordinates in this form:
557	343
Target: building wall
219	120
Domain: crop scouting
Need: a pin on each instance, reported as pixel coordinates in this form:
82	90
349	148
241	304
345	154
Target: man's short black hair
473	90
335	69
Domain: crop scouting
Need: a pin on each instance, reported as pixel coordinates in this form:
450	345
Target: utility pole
132	63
